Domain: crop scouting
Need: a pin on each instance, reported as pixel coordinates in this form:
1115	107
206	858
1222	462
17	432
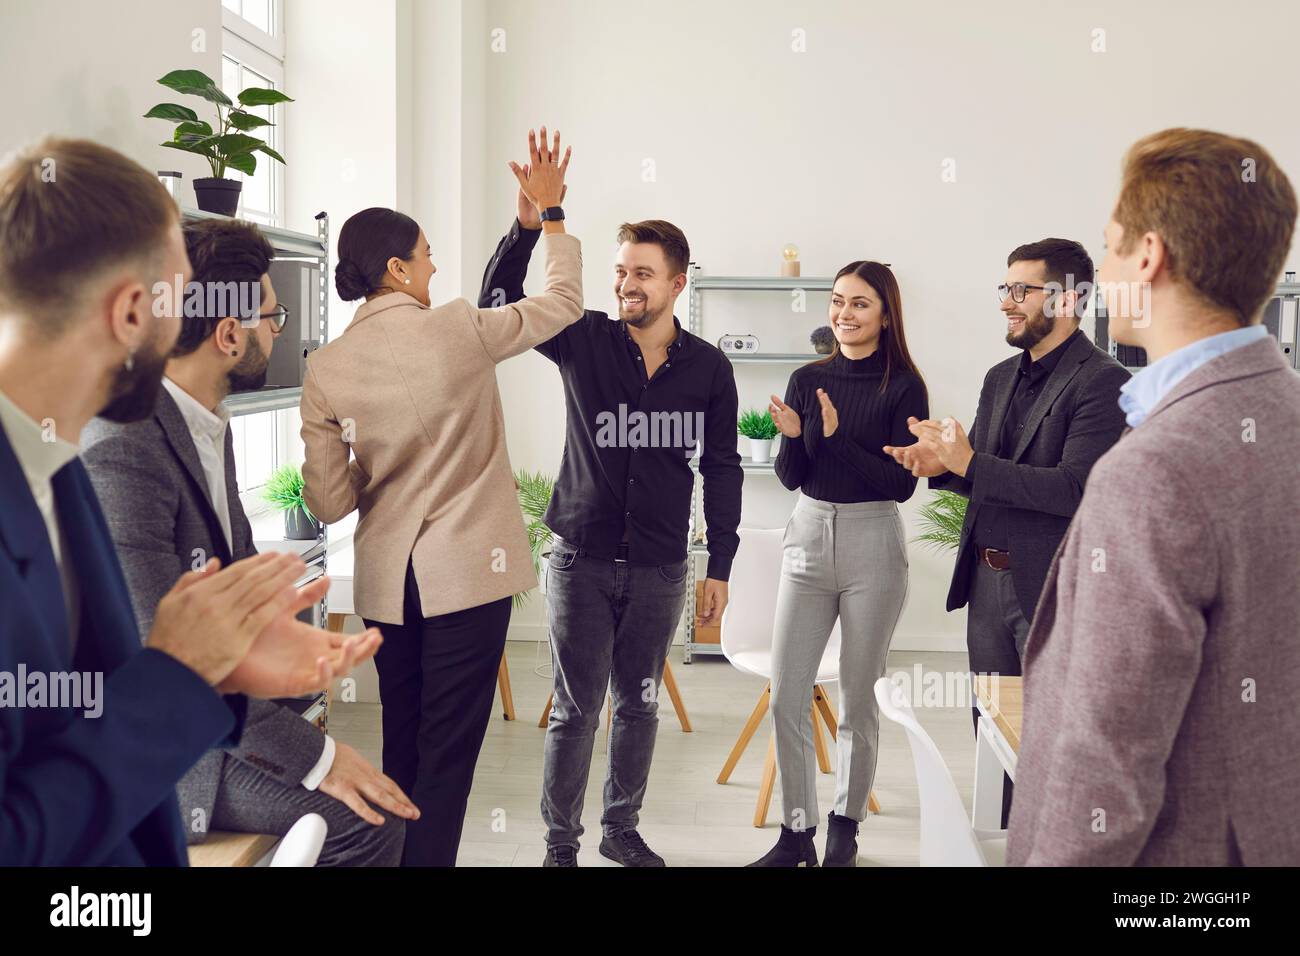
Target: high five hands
541	179
940	446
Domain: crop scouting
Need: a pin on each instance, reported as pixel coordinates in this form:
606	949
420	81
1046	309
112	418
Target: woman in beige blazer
402	421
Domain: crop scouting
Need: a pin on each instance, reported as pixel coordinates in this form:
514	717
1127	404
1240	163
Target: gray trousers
249	801
611	624
845	561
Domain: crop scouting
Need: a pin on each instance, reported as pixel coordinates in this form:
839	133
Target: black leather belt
995	559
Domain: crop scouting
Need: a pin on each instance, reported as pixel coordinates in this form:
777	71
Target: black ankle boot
794	848
841	840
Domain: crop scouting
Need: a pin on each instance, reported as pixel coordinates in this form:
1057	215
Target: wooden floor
688	818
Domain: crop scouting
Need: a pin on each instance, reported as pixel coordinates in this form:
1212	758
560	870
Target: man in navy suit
89	245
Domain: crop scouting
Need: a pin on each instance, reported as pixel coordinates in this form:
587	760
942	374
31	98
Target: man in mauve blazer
1162	671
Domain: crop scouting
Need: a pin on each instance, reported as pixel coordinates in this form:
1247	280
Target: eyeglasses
277	317
1016	290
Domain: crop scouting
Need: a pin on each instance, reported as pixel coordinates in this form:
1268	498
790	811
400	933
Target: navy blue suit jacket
78	790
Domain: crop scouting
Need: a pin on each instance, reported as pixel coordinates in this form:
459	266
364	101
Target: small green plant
220	146
941	519
756	424
534	498
283	490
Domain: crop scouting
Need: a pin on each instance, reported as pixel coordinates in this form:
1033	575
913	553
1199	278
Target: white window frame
263	53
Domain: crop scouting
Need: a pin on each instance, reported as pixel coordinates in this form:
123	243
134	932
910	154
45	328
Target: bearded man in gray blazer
1162	670
169	492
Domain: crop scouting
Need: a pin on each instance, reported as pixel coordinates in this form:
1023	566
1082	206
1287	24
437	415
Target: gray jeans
845	561
611	626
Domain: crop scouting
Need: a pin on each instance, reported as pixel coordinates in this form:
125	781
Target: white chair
947	838
747	644
301	846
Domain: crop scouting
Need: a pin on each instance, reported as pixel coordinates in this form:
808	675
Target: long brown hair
893	340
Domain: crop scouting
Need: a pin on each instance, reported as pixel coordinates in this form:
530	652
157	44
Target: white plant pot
760	450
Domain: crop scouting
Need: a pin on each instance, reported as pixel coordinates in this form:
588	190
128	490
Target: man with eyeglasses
1044	418
169	491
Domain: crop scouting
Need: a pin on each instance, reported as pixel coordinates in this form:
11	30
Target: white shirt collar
200	420
40	451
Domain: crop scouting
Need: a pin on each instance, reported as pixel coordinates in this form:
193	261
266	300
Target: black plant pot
299	527
218	195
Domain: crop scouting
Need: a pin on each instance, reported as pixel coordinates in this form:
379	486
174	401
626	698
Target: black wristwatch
552	214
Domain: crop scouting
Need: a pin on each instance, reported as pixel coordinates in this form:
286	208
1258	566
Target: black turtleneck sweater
850	465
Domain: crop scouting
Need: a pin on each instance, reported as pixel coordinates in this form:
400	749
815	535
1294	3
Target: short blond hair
69	210
1223	207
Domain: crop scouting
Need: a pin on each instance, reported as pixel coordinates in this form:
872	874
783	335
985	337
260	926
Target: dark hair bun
349	282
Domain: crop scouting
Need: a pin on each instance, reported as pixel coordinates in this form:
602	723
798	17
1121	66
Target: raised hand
786	418
529	217
830	417
543	182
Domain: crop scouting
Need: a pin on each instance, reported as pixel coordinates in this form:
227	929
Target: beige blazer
409	394
1162	670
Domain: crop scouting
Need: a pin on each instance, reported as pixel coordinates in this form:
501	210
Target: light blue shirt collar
1143	392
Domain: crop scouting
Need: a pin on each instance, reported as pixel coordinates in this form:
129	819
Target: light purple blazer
1162	671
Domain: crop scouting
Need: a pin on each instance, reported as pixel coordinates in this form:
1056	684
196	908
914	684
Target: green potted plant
283	491
227	145
759	428
534	498
941	520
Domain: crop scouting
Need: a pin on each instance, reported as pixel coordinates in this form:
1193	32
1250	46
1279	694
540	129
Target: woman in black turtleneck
845	555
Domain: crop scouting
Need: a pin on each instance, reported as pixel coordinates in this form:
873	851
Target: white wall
89	69
839	149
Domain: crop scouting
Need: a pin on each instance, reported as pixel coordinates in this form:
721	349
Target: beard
134	394
1036	328
250	372
639	320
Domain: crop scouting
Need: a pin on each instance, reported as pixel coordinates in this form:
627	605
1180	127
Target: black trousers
996	630
437	679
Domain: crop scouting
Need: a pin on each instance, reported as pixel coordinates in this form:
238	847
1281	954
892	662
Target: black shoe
793	848
841	841
628	848
563	855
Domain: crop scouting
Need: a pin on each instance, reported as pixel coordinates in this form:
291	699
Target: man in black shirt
643	396
1044	418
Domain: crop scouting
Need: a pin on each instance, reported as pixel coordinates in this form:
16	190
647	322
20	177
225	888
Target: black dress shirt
851	465
991	529
626	472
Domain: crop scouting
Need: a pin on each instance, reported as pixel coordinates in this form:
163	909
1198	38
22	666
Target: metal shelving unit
298	246
697	283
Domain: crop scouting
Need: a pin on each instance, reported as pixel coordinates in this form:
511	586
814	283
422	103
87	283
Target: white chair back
947	838
751	610
301	846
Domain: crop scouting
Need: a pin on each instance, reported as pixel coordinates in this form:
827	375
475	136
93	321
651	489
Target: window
252	54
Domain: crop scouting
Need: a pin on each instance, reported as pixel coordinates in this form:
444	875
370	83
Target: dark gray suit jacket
155	498
1074	421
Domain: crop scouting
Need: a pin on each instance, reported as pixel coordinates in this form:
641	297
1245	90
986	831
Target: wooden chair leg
546	711
768	781
746	733
334	622
819	742
670	682
503	682
872	803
